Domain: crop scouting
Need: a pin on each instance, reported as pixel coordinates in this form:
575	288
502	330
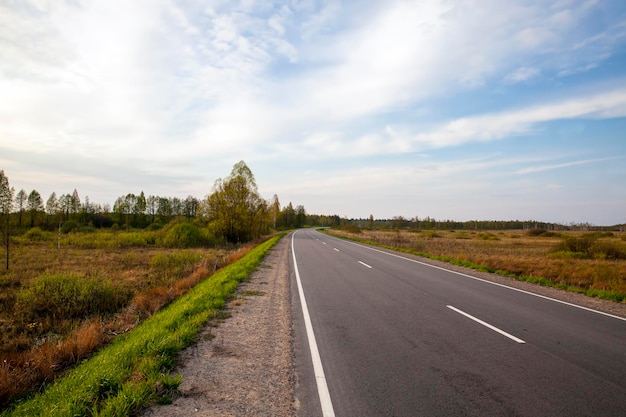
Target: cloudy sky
450	109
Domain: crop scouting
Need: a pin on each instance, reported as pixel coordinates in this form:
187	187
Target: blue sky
450	109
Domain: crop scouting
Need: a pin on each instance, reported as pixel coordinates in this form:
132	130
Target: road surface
395	337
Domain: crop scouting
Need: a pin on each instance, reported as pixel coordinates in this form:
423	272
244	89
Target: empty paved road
400	338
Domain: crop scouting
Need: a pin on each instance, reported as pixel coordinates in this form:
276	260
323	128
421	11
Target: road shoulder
244	366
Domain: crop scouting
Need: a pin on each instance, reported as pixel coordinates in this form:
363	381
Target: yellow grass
33	351
516	253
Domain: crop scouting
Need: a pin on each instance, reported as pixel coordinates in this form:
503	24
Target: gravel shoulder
244	365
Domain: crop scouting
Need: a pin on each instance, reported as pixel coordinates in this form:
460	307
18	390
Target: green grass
134	370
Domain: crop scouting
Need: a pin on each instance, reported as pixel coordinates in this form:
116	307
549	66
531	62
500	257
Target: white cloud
540	168
522	74
504	124
168	88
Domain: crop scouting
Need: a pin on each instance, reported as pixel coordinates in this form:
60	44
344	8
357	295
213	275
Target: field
593	263
67	295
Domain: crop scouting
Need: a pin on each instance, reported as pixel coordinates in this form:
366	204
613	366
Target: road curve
400	338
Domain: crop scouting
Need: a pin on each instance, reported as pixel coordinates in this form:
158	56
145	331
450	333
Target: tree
152	204
35	205
52	205
300	216
275	208
74	203
121	209
6	201
190	206
288	216
65	205
234	207
164	208
20	204
139	211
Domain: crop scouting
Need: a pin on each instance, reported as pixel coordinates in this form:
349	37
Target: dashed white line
494	328
364	264
336	250
490	282
320	378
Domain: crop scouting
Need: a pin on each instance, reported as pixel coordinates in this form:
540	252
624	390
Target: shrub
69	226
69	296
350	228
535	232
603	249
580	244
541	232
183	235
37	235
591	247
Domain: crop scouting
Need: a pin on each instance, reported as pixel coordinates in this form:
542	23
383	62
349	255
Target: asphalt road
400	338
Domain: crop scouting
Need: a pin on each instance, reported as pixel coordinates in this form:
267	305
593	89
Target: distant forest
234	212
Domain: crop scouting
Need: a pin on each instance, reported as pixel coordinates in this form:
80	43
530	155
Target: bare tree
6	202
35	205
20	204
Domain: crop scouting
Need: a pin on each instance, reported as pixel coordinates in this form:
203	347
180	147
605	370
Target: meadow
593	263
66	295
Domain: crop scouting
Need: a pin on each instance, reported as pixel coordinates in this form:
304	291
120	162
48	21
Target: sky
453	109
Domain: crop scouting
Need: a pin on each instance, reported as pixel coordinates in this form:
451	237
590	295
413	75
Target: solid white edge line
494	328
364	264
489	282
320	378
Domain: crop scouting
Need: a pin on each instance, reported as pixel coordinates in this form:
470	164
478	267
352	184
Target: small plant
69	296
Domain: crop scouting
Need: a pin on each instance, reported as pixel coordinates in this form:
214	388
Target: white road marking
320	378
324	243
494	328
336	250
364	264
490	282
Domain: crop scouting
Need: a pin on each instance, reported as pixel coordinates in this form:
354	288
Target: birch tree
35	205
6	202
20	205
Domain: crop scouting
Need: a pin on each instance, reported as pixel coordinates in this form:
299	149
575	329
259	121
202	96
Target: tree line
234	211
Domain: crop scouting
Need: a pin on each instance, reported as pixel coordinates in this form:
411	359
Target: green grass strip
134	370
590	292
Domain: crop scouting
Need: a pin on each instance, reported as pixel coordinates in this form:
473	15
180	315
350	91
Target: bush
69	226
591	247
183	235
541	232
37	235
69	296
603	249
350	228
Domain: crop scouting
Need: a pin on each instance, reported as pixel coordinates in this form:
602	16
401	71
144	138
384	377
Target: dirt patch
244	366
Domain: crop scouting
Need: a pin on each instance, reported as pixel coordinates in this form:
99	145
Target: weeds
58	306
60	297
133	371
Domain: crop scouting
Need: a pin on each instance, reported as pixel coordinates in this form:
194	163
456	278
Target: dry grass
522	254
34	348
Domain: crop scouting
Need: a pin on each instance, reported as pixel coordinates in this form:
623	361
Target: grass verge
610	295
134	370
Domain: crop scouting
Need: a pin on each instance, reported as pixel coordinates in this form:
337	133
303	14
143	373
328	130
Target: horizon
435	109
